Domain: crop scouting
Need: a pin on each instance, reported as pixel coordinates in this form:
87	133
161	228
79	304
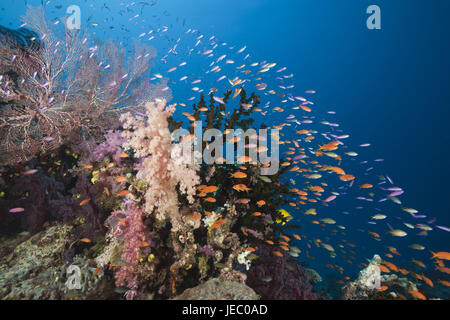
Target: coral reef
91	161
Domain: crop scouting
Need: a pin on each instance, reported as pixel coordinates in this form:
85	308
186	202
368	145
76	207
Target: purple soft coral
112	146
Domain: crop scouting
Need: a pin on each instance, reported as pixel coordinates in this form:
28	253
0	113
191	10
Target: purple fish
396	193
393	189
219	100
331	198
443	228
417	216
432	220
301	156
140	113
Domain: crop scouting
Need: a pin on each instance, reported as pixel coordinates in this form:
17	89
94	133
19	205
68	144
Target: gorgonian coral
68	90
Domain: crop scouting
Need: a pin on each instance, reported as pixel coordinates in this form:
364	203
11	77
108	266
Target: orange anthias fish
443	269
347	177
382	288
96	272
307	109
445	283
122	193
278	253
85	240
209	189
403	271
121	179
218	223
260	203
85	202
427	281
394	251
383	269
419	263
122	221
417	294
123	155
329	146
391	265
244	159
441	255
239	175
241	187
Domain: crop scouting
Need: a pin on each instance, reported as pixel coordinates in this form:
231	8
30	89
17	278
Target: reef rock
369	279
35	267
313	275
29	265
216	289
280	278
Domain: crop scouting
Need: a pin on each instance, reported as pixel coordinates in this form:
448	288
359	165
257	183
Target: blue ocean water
389	87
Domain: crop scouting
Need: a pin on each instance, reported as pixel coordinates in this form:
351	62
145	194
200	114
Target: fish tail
434	255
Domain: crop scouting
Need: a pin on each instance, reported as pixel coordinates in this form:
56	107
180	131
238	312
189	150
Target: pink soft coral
132	233
162	167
